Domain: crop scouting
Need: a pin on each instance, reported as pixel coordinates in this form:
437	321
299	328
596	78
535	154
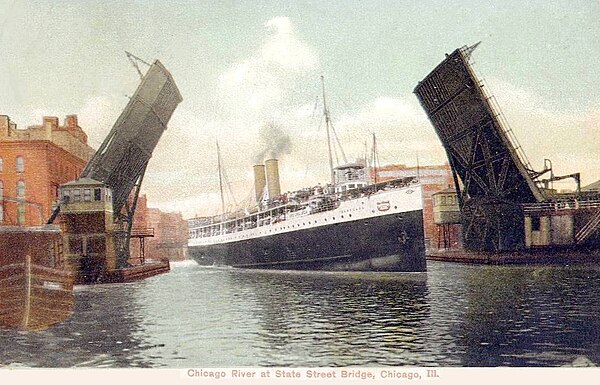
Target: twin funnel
266	180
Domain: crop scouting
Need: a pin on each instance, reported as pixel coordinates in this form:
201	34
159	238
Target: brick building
169	233
34	162
433	179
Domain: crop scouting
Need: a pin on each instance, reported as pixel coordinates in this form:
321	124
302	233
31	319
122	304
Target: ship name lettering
279	373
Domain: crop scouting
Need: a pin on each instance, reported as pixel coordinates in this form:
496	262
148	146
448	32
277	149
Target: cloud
97	116
255	118
545	131
402	130
284	49
256	87
266	107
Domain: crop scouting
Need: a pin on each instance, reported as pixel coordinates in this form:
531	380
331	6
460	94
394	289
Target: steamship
348	225
351	224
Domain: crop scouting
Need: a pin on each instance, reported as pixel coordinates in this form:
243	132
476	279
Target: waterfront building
446	217
157	234
170	235
434	178
34	162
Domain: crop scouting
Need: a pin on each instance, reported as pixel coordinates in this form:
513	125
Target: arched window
21	189
21	214
20	164
0	164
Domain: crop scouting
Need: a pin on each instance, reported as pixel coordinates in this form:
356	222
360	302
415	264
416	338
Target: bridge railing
142	232
501	119
564	205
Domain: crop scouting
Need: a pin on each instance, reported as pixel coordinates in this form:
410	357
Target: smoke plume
273	142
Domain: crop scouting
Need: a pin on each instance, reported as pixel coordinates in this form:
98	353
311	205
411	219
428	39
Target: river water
453	315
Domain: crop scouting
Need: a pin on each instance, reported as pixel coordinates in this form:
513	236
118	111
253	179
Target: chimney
4	125
272	170
50	122
71	121
260	180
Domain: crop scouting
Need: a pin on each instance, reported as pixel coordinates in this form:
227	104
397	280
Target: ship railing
375	188
292	209
561	205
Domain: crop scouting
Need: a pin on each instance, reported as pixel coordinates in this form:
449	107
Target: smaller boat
36	285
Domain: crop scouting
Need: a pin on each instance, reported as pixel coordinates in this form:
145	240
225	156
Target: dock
137	272
525	257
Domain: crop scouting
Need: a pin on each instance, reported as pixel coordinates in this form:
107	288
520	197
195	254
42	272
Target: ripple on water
454	315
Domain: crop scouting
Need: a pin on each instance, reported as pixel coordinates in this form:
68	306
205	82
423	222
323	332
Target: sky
249	73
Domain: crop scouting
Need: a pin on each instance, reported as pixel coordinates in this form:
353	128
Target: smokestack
260	180
71	121
272	169
50	122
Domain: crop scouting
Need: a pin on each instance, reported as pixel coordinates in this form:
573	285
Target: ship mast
327	127
375	158
220	180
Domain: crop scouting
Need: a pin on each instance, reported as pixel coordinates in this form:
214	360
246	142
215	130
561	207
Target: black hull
393	242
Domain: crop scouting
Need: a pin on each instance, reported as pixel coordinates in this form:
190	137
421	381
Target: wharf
136	272
540	257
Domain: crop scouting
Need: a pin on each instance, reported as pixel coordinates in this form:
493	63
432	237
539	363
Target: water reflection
453	315
530	316
100	334
337	319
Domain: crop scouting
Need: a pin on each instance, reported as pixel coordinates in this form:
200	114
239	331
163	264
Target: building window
21	214
1	213
20	190
20	164
1	191
87	195
535	224
97	194
76	195
0	164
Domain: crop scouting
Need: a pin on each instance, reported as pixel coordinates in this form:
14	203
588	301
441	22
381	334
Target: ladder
589	228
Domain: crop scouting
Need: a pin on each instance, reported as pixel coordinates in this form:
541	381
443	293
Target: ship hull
392	242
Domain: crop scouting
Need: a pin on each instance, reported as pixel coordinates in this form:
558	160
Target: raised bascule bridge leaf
492	175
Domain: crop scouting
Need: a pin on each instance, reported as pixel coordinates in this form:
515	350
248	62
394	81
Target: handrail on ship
281	212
